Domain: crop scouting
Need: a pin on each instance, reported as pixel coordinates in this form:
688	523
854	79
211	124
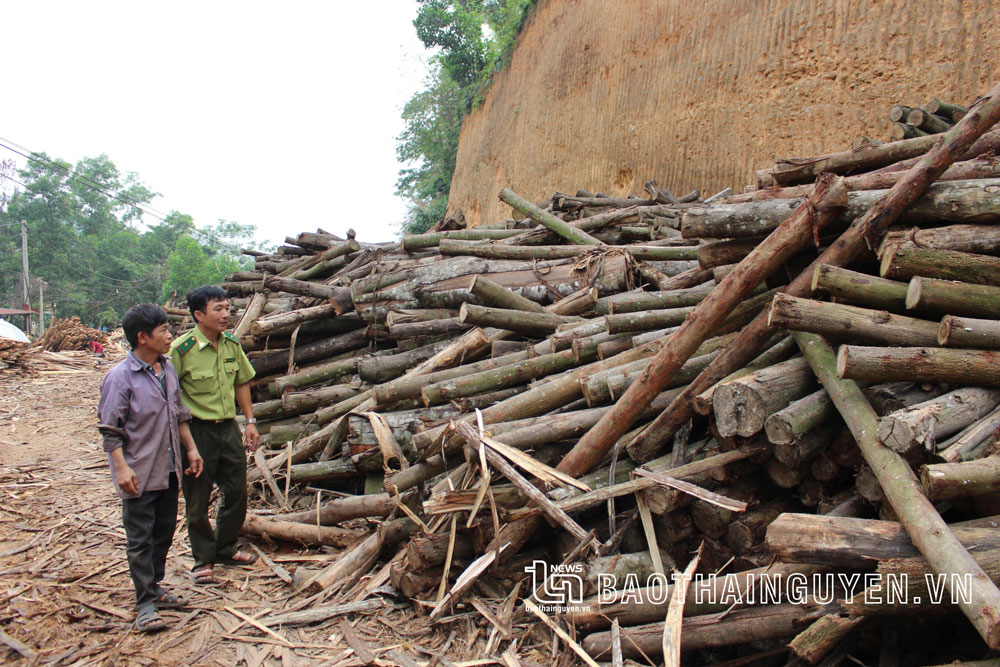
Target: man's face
158	340
215	317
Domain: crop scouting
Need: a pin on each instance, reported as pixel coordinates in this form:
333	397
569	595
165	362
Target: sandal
203	575
149	620
240	558
168	600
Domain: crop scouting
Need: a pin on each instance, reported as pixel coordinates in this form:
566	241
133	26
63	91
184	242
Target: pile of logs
934	117
68	333
14	356
625	387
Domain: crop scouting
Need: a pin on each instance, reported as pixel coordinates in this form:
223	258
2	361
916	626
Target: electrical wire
87	182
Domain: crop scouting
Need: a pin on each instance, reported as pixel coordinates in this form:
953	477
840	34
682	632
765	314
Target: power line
211	240
87	182
90	183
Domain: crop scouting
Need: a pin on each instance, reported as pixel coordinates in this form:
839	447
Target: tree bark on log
926	424
315	351
729	251
742	406
316	375
871	157
965	445
630	302
250	315
849	542
383	369
499	296
968	332
509	375
946	481
769	622
517	321
415	242
919	364
943	551
903	263
776	350
860	288
841	321
861	234
343	509
497	251
292	318
409	387
301	533
551	222
953	298
980	239
927	121
799	417
973	201
425	330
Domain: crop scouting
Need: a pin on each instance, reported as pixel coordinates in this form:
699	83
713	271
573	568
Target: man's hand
251	437
128	482
195	463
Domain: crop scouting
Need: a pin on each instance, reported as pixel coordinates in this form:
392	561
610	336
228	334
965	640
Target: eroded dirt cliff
605	95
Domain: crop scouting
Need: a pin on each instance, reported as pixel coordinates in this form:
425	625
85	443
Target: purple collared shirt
135	415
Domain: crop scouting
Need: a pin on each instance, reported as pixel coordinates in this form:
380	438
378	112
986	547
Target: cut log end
842	360
888	257
944	331
913	293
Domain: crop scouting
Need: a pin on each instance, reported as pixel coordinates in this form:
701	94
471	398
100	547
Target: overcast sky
281	116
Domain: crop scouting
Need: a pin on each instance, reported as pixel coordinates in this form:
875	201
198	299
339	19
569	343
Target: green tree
208	261
87	240
429	143
474	39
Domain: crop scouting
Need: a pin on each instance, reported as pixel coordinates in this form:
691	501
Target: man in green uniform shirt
214	375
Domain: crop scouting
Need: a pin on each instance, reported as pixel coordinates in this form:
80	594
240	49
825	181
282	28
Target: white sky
280	115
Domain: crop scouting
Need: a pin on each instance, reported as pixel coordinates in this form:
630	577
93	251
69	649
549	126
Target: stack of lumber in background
69	333
638	385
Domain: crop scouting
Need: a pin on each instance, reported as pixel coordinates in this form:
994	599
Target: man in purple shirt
144	423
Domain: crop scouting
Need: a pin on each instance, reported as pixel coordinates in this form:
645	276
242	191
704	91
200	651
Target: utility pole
41	307
24	269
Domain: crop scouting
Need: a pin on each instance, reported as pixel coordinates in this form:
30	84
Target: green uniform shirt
208	374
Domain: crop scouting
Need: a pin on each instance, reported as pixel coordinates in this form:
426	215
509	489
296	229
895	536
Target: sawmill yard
494	445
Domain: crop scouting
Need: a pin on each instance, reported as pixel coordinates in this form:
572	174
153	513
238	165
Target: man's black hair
144	317
199	297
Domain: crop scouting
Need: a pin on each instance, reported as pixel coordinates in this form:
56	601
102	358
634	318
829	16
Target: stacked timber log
69	333
934	117
15	356
543	423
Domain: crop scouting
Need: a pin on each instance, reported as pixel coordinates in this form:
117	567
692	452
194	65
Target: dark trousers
221	446
149	522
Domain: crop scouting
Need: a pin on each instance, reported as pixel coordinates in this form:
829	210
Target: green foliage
429	143
86	239
192	264
475	39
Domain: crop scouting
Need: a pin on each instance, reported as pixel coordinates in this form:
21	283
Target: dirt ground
66	597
